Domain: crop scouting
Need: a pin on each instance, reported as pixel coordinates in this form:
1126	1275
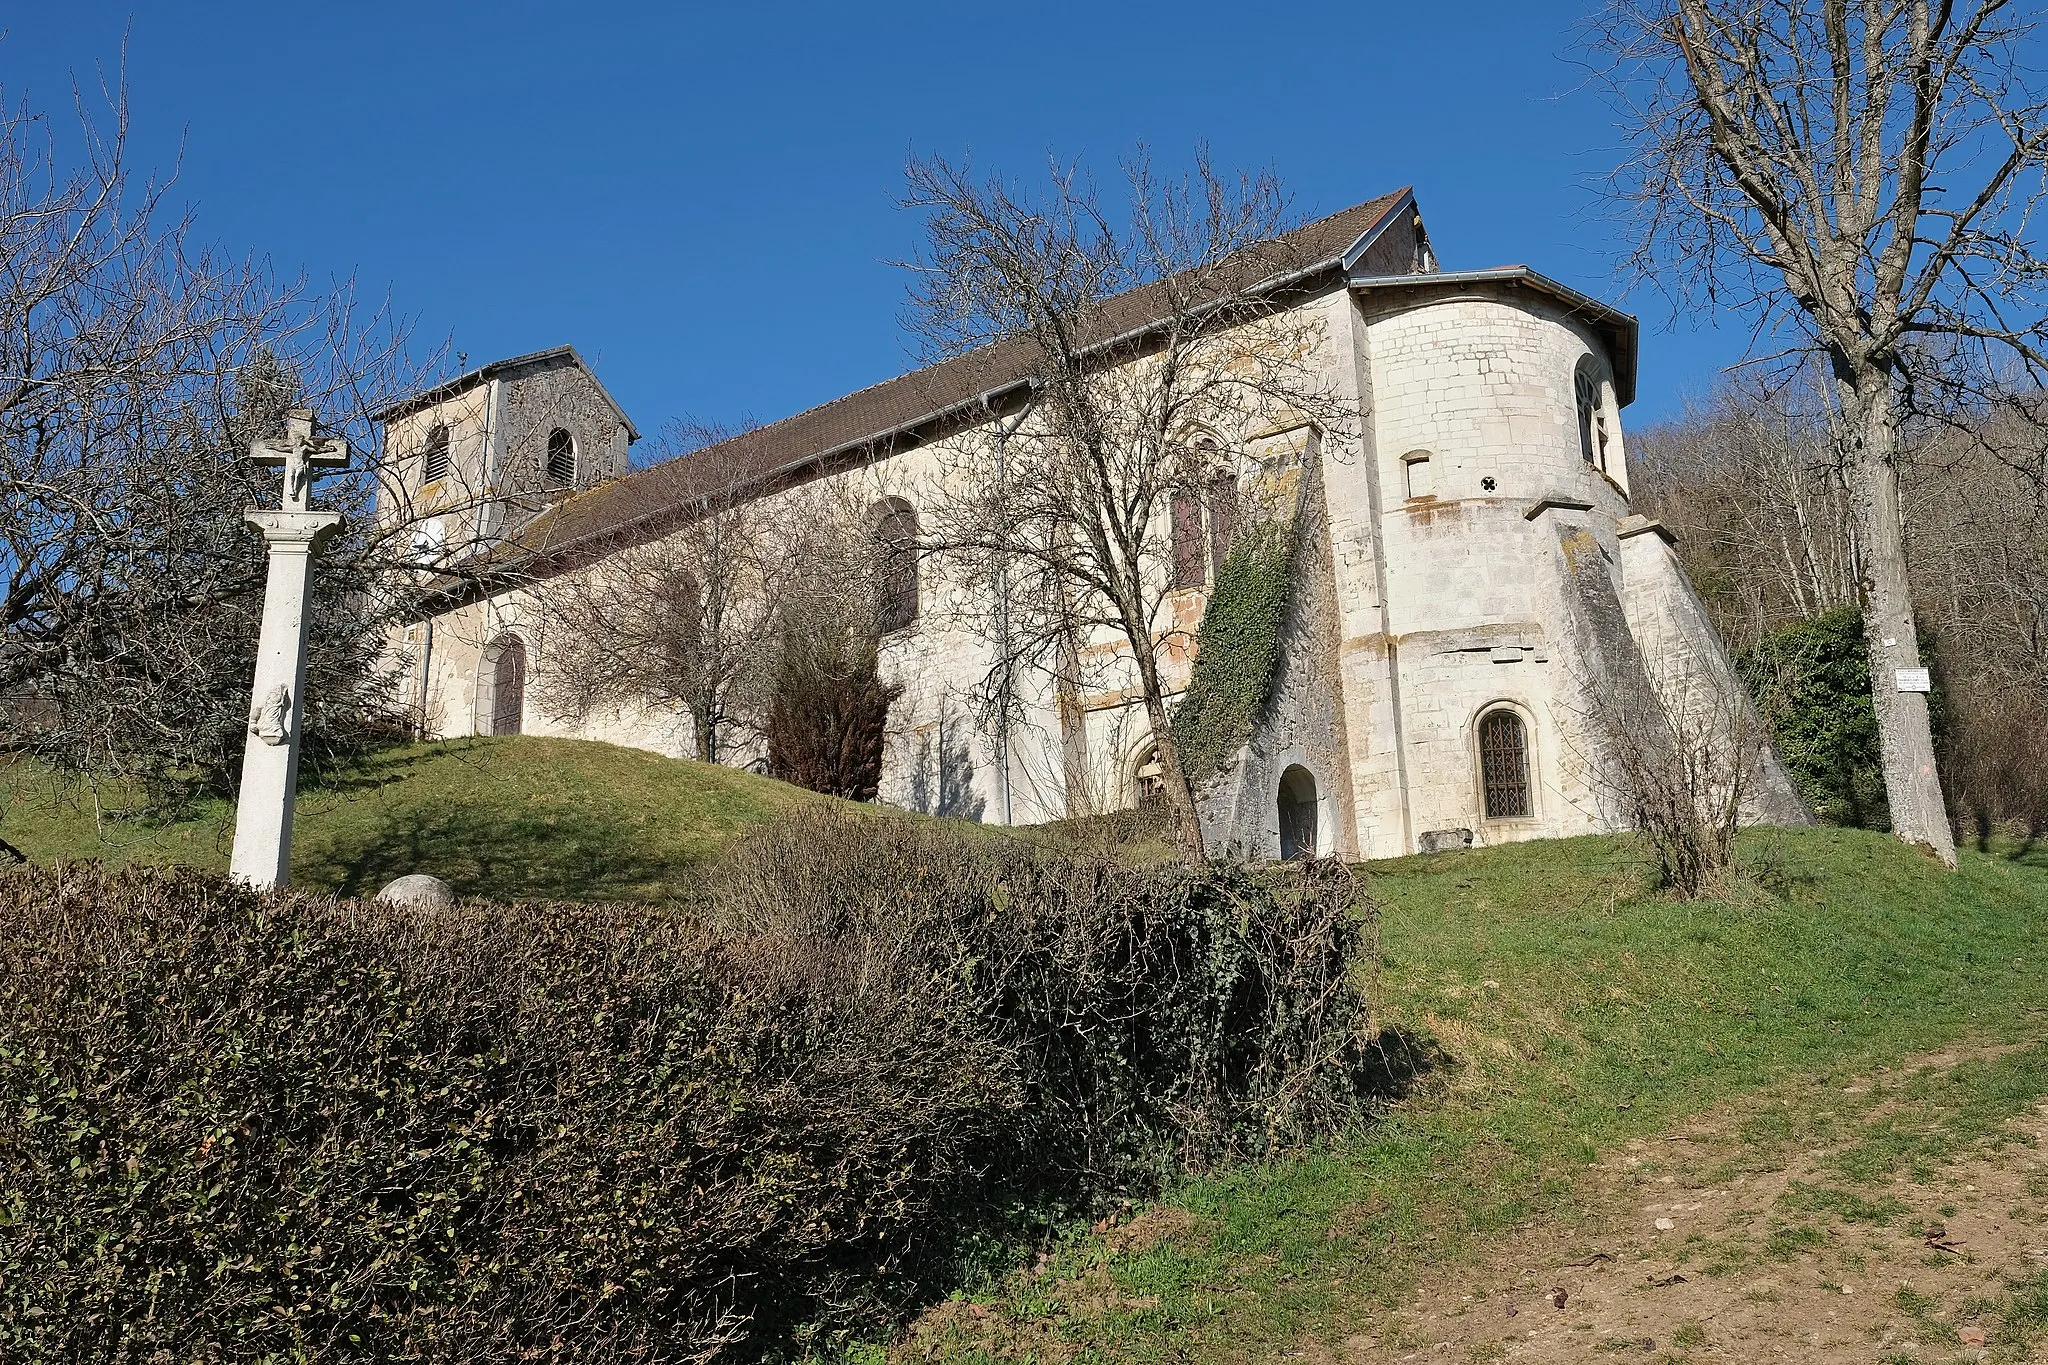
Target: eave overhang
1618	329
469	379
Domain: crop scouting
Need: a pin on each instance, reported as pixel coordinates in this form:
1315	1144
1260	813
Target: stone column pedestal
270	761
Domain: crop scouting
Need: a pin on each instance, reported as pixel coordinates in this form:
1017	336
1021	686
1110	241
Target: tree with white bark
1859	177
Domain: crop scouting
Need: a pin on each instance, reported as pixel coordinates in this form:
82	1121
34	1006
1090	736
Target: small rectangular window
1421	478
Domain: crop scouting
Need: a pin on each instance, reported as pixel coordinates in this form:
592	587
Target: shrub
1162	1017
829	710
1812	684
244	1127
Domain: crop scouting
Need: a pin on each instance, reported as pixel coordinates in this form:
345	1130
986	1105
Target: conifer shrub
829	710
281	1127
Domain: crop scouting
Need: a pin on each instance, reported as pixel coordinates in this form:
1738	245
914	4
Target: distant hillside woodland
1751	485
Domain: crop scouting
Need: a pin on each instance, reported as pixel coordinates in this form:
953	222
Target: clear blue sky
701	199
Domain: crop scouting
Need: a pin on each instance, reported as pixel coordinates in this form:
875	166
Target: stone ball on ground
419	889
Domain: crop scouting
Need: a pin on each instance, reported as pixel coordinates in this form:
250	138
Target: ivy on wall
1237	650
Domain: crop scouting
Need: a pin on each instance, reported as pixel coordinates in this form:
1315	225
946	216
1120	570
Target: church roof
469	379
1615	327
645	503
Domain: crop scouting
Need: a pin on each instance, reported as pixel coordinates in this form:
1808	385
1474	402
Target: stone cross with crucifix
293	536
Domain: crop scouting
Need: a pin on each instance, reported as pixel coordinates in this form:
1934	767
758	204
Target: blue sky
702	199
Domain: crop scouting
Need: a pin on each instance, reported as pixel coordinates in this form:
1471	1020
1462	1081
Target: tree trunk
706	733
1905	737
1187	824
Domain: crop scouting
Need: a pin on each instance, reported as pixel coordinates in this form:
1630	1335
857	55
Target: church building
1472	586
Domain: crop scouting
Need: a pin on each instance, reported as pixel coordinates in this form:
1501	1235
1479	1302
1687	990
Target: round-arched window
1148	779
896	604
561	458
1504	765
508	687
1587	390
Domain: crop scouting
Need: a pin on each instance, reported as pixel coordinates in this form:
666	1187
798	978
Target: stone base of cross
293	535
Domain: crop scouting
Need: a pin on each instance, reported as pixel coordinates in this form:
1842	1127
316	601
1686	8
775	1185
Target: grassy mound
1559	1008
514	818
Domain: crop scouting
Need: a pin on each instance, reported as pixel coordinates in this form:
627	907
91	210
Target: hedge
283	1127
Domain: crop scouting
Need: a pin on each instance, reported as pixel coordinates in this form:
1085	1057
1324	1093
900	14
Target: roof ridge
1393	197
636	504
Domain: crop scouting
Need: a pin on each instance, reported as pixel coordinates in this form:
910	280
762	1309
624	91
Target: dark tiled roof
470	379
643	503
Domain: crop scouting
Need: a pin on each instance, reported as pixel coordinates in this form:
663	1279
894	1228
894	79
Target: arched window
1504	764
1297	813
896	604
1148	779
1587	390
434	455
683	640
561	458
508	686
1222	517
1188	568
1199	550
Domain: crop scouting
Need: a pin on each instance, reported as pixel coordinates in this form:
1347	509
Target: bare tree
1684	763
692	622
1752	484
1860	172
1155	344
136	365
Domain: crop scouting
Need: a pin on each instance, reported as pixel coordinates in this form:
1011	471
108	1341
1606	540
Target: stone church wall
1302	724
542	399
1504	574
1478	388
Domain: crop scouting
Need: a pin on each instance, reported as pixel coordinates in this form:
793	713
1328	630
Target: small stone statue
270	718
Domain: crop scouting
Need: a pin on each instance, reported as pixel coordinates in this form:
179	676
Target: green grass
1569	1009
1558	1005
508	818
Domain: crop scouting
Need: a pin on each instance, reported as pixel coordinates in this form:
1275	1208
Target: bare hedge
284	1127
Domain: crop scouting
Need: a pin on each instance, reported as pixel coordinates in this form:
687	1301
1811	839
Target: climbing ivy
1237	650
1812	682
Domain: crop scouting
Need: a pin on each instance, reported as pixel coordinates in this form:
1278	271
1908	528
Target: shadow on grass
577	854
1395	1061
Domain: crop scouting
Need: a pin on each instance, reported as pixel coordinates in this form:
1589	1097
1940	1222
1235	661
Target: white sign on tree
270	759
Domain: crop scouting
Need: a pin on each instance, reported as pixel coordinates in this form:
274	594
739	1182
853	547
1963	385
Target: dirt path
1714	1244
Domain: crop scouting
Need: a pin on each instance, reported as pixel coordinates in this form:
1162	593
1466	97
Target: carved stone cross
293	535
305	457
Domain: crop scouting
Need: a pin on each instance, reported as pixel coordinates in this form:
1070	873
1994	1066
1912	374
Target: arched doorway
508	686
1297	813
